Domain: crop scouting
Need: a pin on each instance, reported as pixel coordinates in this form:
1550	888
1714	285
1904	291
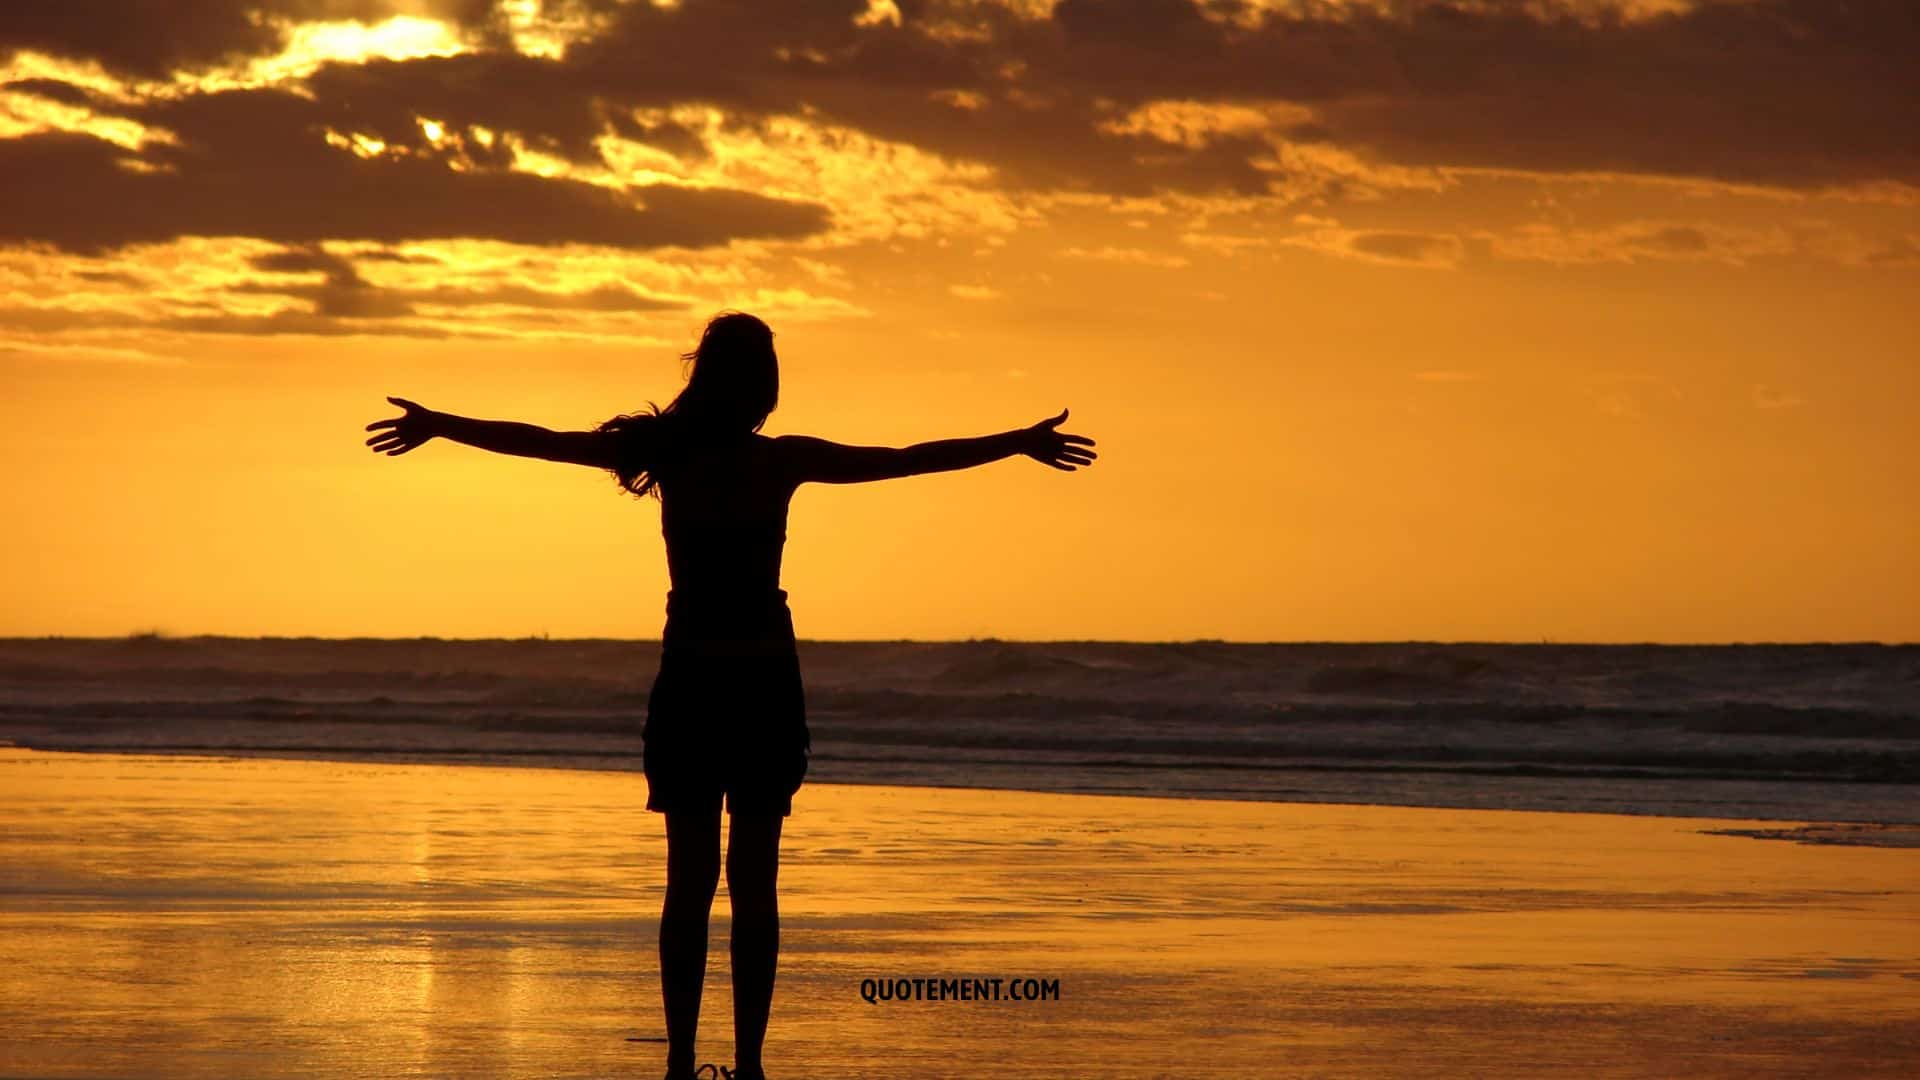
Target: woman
726	723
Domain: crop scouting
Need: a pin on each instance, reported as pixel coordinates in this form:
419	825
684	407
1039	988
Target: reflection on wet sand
195	918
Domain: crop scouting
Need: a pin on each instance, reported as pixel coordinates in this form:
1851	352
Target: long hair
733	383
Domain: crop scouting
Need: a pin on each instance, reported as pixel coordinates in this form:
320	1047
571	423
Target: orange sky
1515	321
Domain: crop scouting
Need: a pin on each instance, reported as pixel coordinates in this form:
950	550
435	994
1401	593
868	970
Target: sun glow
309	45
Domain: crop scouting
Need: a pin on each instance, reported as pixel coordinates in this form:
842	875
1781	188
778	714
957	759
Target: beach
182	916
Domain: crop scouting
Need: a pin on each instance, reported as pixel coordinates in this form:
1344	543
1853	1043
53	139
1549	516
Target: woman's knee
693	857
692	885
753	856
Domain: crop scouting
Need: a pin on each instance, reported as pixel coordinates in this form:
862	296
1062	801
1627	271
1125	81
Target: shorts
726	720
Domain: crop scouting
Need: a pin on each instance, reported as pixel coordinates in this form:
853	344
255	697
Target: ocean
1827	733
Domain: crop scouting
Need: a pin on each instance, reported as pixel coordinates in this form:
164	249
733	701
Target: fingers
377	424
1068	459
1055	421
1066	447
1081	439
402	402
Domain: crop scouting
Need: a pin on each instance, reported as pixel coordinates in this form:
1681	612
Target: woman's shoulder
786	448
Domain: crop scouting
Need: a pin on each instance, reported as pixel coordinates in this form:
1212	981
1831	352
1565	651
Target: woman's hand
404	432
1044	443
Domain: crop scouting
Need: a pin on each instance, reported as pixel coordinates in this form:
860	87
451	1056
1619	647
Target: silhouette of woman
726	720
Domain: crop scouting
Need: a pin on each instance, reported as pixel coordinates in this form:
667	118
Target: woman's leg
753	867
693	871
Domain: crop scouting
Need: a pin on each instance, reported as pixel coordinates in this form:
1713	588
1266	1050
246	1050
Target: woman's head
734	381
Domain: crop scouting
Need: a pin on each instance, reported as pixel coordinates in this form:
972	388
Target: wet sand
189	917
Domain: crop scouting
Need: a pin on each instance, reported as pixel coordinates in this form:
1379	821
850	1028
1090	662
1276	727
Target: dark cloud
152	39
397	257
110	277
52	90
149	39
342	293
1161	21
309	260
261	175
1790	92
1799	93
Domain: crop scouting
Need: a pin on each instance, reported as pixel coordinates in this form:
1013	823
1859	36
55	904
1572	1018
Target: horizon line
162	636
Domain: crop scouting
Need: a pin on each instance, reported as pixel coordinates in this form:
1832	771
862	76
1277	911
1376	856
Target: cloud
1795	93
1226	243
1281	102
1638	241
456	289
597	161
344	294
1434	251
249	172
157	40
1137	97
1902	251
149	40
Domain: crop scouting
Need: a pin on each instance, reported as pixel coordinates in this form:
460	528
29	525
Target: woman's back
723	513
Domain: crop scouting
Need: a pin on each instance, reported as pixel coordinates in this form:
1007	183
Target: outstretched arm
836	463
418	424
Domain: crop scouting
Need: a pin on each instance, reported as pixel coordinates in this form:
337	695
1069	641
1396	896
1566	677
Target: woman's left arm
418	424
836	463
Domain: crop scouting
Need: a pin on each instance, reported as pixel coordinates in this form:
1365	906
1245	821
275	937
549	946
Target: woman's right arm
419	424
837	463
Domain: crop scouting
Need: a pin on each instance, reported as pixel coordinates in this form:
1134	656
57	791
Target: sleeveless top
723	515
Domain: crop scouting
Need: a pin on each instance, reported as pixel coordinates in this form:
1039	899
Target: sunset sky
1583	320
